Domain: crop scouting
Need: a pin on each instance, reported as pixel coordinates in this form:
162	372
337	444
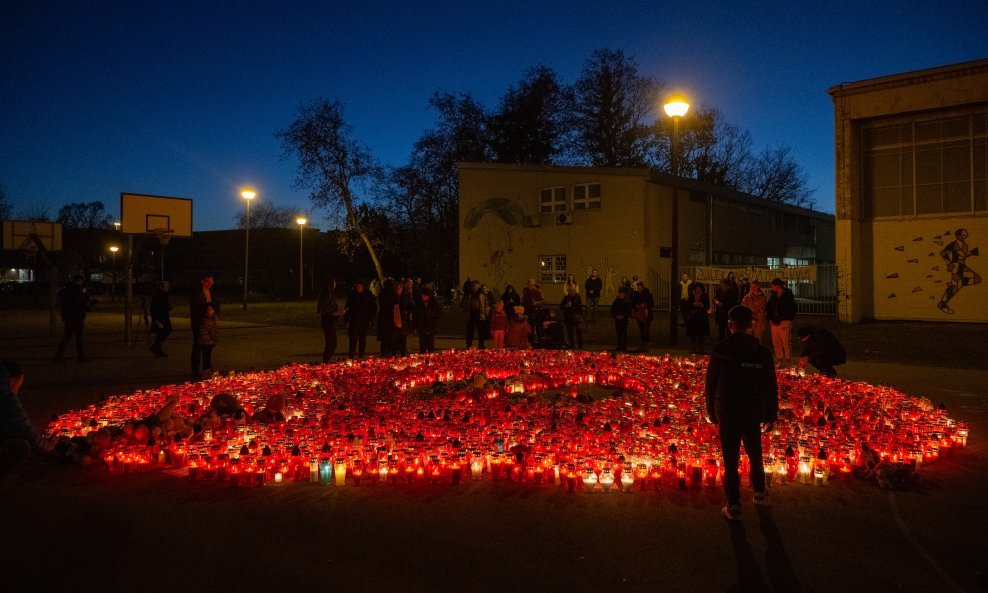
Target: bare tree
37	212
331	161
88	215
268	216
776	176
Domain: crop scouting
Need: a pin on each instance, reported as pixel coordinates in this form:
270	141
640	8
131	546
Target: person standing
401	320
498	324
532	299
511	299
328	310
644	305
74	305
358	314
697	322
387	299
161	322
756	300
725	299
426	320
593	286
197	311
572	308
475	310
208	338
621	311
781	312
821	349
742	397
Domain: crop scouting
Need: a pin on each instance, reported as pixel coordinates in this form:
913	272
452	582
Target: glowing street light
675	107
248	195
301	220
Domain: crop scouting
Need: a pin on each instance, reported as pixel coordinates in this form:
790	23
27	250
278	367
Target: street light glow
114	248
676	107
248	194
301	220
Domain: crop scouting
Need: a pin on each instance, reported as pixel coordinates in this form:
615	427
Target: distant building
912	195
545	222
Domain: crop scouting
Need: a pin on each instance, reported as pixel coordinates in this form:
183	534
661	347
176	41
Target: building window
925	167
552	268
586	196
552	199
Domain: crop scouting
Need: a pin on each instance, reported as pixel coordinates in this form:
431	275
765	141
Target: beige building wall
890	266
504	235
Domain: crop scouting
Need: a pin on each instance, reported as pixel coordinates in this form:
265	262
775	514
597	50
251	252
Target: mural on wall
931	269
955	254
495	219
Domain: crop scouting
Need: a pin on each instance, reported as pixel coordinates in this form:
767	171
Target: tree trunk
363	236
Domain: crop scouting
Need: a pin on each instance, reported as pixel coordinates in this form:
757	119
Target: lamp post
675	108
113	288
301	232
248	195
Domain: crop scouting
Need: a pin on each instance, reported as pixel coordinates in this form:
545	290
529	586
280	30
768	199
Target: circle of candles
529	417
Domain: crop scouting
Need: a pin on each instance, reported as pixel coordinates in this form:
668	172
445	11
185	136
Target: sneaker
759	497
731	512
943	307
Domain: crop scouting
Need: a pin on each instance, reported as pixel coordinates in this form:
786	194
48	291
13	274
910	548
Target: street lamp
676	108
248	195
116	225
113	288
301	232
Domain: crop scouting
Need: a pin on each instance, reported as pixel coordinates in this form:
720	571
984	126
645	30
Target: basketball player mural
955	254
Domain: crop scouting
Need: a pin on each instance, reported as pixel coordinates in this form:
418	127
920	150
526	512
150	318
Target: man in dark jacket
74	304
358	314
742	397
161	322
426	319
593	286
821	349
781	311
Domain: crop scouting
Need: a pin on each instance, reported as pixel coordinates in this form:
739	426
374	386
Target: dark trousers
329	333
196	357
73	328
474	322
399	343
207	357
621	329
357	333
161	334
731	437
427	343
644	330
574	334
824	365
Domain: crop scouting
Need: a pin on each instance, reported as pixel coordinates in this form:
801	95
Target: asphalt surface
80	528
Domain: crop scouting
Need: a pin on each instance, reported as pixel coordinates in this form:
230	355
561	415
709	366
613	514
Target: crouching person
18	437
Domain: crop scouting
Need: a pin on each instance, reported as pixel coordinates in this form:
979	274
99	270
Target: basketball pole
129	293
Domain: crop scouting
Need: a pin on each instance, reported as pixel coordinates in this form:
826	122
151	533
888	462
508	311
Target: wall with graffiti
930	269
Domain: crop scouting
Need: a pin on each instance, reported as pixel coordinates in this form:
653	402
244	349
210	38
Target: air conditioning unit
534	220
564	218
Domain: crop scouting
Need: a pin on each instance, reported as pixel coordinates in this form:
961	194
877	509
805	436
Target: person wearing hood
742	397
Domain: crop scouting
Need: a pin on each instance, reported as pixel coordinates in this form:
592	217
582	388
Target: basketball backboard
144	215
19	235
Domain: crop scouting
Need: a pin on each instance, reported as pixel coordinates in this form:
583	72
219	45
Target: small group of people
523	320
401	308
633	301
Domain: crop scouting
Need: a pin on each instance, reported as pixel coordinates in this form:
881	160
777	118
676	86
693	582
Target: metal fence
814	286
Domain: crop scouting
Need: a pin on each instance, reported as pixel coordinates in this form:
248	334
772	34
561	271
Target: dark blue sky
182	98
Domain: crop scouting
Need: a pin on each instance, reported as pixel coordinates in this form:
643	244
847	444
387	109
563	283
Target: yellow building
545	222
912	194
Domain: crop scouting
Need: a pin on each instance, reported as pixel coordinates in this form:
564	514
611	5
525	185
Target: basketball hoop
163	235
